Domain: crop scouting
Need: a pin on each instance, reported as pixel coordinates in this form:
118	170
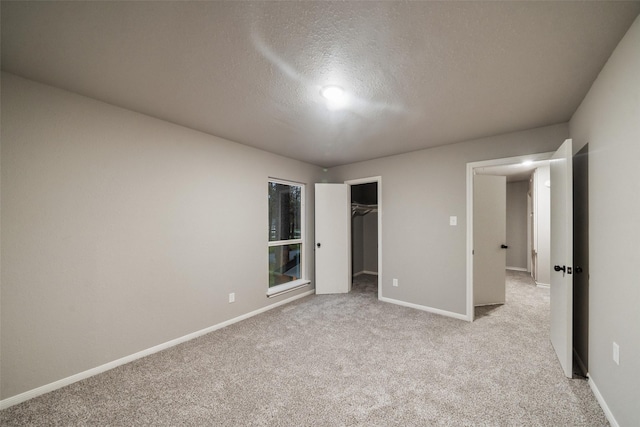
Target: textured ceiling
418	74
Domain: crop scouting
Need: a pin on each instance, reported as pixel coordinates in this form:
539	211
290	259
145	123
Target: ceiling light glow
527	163
335	96
332	93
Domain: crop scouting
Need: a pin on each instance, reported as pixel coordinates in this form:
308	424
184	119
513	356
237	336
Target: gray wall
609	120
121	232
364	243
370	242
517	224
357	242
420	190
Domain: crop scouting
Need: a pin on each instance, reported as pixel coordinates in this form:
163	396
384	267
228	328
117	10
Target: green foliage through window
285	232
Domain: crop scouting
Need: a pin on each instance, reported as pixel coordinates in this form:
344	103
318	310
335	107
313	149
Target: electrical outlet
395	282
616	353
232	297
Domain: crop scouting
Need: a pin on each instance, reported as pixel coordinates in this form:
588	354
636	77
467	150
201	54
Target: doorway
581	260
511	166
366	231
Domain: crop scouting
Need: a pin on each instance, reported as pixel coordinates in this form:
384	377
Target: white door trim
377	179
470	167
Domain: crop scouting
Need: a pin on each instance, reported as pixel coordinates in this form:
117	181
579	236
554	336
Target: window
286	236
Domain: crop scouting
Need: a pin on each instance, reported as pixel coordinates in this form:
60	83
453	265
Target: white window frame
303	281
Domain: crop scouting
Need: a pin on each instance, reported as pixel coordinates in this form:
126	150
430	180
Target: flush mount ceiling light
527	163
332	93
335	96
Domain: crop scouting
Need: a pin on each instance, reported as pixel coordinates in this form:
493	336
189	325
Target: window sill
287	287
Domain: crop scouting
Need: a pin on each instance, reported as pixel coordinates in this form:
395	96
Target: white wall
609	120
121	232
420	190
517	224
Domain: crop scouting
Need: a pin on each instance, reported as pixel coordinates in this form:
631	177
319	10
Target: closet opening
364	238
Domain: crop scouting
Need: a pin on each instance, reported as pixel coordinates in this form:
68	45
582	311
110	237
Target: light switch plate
453	220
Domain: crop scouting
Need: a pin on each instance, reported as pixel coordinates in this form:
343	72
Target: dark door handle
558	268
578	269
504	246
318	244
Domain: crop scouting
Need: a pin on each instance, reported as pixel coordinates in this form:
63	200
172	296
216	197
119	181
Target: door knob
578	269
318	244
504	246
558	268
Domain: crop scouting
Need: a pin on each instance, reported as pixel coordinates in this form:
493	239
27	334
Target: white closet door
489	236
333	220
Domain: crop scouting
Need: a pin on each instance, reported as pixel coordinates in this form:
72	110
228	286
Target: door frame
470	173
580	166
369	180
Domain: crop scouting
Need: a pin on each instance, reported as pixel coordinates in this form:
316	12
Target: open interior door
562	256
489	239
332	232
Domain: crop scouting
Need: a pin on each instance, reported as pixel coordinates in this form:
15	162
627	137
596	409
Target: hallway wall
517	224
608	119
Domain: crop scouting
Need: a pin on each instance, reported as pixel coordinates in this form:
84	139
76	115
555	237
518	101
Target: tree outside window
285	232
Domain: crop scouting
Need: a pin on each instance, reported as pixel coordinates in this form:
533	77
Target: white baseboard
22	397
543	285
603	404
517	268
425	308
360	273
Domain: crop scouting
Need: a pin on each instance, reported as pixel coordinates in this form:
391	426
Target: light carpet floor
342	360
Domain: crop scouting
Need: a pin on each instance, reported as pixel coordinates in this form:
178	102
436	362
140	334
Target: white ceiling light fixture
332	92
527	163
335	96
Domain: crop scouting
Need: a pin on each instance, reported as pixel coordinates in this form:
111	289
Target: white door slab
489	235
562	256
333	219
